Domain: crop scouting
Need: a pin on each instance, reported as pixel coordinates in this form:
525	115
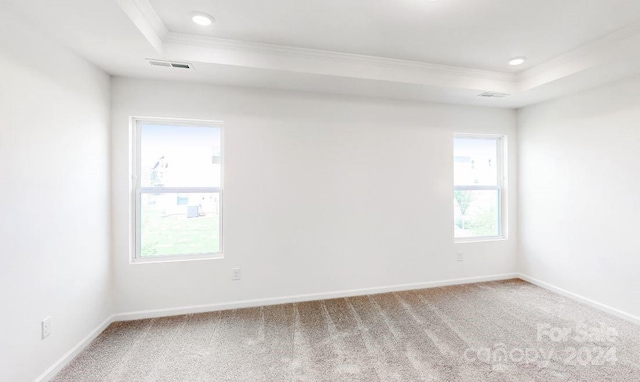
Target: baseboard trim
154	313
574	296
71	354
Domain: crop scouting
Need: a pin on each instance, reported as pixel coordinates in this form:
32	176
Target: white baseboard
67	358
305	297
605	308
71	354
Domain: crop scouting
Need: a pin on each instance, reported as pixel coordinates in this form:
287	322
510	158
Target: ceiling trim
591	47
250	55
206	49
279	57
281	50
147	20
596	53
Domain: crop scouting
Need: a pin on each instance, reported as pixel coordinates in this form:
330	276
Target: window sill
478	239
175	259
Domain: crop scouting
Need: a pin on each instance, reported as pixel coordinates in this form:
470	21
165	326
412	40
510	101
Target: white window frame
137	190
500	187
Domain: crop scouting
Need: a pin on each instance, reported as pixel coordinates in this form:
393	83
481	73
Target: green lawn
164	235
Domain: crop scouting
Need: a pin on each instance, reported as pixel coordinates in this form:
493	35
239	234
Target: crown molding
213	50
147	21
207	49
315	62
288	51
581	58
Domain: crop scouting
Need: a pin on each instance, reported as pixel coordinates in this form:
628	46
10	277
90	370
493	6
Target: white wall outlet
235	275
46	327
460	258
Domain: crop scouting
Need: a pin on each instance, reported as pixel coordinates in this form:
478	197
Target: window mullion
477	188
179	190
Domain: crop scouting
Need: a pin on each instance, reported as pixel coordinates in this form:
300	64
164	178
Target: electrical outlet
460	258
46	327
235	274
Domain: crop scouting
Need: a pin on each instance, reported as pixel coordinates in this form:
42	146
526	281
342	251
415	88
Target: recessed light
202	19
517	61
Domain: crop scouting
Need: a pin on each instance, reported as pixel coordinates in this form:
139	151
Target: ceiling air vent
493	95
169	64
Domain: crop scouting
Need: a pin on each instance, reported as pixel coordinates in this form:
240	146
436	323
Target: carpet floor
497	331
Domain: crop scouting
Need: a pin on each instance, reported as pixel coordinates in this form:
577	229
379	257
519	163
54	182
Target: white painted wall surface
54	199
322	194
579	181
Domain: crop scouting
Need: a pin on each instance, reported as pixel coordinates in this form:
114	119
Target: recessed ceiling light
517	61
202	19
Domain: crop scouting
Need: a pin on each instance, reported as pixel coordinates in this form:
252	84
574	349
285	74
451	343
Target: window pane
179	224
179	156
476	213
475	162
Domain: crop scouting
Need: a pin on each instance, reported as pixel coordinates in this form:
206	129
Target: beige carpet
478	332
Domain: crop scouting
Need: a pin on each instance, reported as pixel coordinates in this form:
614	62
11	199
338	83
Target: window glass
179	156
478	193
179	223
475	162
178	196
477	213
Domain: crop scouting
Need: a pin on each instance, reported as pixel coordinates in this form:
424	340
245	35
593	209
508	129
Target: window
478	187
177	189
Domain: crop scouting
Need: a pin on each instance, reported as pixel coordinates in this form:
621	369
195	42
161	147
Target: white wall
54	199
322	194
579	204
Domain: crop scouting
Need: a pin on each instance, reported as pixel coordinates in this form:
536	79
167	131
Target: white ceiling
444	50
481	34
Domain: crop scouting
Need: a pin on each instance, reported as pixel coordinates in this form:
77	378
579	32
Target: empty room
320	190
